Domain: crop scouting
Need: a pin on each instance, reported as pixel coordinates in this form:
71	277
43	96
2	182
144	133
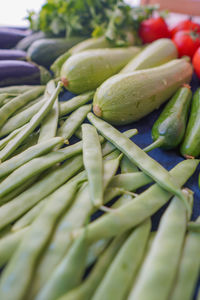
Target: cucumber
25	43
45	51
155	54
125	98
86	70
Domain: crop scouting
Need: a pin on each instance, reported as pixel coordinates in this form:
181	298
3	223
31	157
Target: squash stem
155	144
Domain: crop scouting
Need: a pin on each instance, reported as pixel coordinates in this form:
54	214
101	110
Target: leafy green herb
117	20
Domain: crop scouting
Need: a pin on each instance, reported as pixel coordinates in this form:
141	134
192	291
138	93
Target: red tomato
185	25
186	42
153	29
196	62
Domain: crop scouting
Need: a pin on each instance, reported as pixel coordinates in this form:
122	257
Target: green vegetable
35	241
169	128
191	142
149	166
125	265
86	70
8	109
128	97
188	268
45	51
160	265
135	212
31	126
153	55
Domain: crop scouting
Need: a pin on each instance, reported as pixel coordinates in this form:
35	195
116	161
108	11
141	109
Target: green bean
4	96
22	203
148	165
4	141
68	106
130	181
107	147
68	274
32	152
21	118
18	89
8	109
28	105
124	266
30	216
31	126
161	263
143	206
114	154
78	133
74	121
188	269
93	163
89	285
26	256
194	226
127	166
110	168
18	190
80	211
9	244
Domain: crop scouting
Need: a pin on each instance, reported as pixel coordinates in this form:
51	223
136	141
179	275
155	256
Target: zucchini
26	42
45	51
128	97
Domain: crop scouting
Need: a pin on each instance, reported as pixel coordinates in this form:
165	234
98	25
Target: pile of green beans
52	189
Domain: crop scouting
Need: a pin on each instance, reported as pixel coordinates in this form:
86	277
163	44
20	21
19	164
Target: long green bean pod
124	266
127	166
9	243
68	274
31	126
4	141
25	257
18	89
143	206
74	103
148	165
9	212
188	268
161	263
89	285
77	215
74	121
21	118
32	152
93	162
8	109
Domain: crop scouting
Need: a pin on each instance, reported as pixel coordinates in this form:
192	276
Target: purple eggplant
14	72
10	37
12	54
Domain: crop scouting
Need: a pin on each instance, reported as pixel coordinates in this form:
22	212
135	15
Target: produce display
86	211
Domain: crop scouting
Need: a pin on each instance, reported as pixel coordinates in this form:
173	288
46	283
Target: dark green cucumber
169	128
26	42
45	51
191	142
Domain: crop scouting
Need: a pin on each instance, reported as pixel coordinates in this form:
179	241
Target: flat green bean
124	266
17	89
93	163
8	109
31	126
89	285
148	165
30	141
32	152
33	243
74	103
130	181
9	243
161	263
68	274
74	121
10	211
143	206
80	211
127	166
28	105
30	216
188	269
114	153
21	118
4	141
